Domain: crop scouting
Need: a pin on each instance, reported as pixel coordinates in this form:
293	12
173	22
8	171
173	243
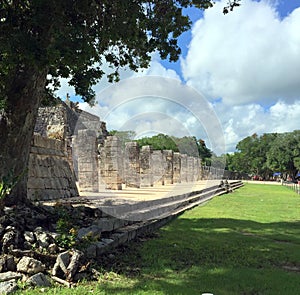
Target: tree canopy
42	41
185	145
263	155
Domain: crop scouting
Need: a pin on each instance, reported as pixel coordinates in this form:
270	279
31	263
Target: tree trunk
17	126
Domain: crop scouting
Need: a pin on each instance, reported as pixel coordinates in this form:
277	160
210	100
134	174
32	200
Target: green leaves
7	183
69	37
263	155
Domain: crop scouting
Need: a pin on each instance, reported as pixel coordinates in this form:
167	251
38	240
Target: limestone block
8	287
146	173
9	275
168	154
190	166
177	168
30	265
39	280
184	168
157	167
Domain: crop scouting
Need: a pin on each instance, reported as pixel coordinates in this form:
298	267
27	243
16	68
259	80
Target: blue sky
244	66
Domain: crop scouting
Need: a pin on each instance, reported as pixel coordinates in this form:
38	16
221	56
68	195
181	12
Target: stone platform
124	215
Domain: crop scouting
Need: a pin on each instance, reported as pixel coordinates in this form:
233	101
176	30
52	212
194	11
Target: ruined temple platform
150	203
132	195
121	216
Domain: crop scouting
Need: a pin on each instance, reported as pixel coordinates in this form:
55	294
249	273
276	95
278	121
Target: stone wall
98	160
84	143
134	167
49	174
111	158
52	122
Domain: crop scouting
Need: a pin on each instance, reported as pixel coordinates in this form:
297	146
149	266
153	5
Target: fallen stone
7	263
91	251
2	264
74	263
30	265
8	287
9	275
43	239
39	280
10	263
9	239
61	264
29	237
53	249
92	232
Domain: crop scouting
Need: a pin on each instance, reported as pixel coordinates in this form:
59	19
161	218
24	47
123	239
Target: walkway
133	195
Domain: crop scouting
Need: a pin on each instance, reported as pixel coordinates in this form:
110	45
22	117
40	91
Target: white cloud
245	60
248	55
243	120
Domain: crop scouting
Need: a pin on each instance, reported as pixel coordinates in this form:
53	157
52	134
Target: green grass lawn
246	242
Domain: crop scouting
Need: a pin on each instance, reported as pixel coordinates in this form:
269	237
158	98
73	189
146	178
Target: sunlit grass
246	242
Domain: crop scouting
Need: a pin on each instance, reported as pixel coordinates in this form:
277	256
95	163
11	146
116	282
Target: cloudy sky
239	74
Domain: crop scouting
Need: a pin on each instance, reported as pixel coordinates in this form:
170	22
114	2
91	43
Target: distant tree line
267	154
189	145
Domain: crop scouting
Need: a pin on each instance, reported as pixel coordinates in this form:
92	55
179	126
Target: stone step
124	210
129	232
154	209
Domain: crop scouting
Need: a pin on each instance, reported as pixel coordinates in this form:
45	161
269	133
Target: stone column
87	163
157	167
190	172
184	168
146	166
113	163
196	168
177	168
132	165
200	169
168	154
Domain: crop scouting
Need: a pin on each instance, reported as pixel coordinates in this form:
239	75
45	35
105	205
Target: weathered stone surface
49	172
91	232
85	144
158	167
39	280
177	168
61	264
67	264
9	275
43	239
53	248
146	167
29	237
8	287
168	154
7	263
132	164
30	265
111	161
10	239
91	251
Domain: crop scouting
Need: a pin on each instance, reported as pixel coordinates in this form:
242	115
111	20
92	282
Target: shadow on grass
221	256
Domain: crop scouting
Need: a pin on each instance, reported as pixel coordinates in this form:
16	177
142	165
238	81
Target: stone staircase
161	208
122	223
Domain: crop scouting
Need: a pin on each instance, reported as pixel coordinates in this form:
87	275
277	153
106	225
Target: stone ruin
73	146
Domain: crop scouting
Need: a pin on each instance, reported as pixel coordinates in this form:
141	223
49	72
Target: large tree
284	153
42	41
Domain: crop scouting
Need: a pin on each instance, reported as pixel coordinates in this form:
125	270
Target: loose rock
8	287
9	275
39	280
30	265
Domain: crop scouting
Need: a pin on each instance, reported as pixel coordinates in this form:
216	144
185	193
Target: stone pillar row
115	164
134	167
